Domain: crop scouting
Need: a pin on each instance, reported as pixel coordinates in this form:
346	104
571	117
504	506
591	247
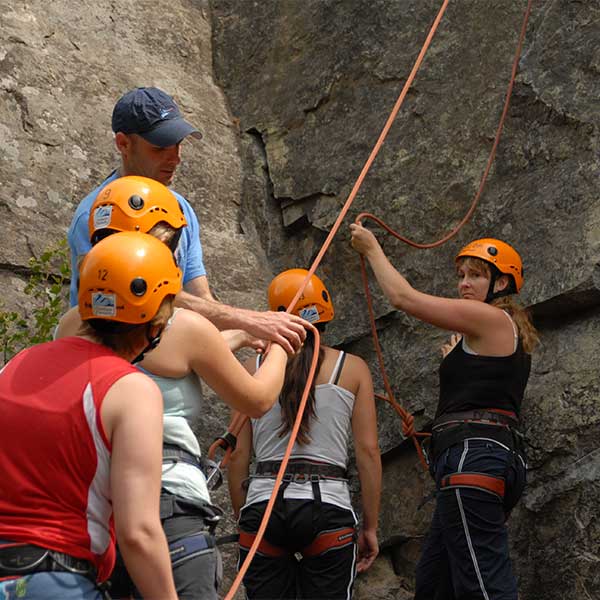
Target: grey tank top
181	398
329	434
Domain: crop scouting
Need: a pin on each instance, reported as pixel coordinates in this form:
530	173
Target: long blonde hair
527	332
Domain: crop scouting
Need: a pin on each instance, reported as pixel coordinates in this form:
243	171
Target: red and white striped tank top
54	453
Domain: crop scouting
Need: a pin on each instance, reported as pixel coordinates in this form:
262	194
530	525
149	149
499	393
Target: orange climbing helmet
133	203
498	253
314	304
125	277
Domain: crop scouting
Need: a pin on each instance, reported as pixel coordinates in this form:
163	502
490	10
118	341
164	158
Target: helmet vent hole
281	308
138	286
492	250
136	202
325	296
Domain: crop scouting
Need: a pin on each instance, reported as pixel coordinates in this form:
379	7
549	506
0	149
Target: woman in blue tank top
309	549
477	457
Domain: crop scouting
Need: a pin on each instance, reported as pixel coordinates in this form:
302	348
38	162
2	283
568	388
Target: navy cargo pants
465	555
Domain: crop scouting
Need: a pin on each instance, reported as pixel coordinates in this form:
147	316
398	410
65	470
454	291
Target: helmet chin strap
152	343
491	294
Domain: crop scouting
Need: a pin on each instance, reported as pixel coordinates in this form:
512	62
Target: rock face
291	97
312	84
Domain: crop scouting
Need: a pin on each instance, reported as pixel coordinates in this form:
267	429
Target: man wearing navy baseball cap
149	129
153	115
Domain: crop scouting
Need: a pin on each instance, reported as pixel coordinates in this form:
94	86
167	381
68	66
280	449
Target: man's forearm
221	315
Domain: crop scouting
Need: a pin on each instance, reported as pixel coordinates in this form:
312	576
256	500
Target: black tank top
470	382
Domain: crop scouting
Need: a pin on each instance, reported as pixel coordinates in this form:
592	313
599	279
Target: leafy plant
46	287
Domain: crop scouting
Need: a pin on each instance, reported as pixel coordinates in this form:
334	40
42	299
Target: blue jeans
49	586
465	555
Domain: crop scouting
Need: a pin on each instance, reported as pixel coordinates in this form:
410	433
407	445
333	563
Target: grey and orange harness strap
325	541
478	481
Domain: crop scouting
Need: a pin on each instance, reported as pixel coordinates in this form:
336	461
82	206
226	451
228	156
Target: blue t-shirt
189	249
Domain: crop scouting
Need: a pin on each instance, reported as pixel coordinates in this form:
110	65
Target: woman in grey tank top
191	348
312	546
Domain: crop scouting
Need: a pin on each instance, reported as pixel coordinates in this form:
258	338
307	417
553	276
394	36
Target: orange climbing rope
239	420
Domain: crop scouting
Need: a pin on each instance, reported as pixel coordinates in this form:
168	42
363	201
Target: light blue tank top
181	398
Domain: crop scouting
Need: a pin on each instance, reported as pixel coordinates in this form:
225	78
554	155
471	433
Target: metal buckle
17	563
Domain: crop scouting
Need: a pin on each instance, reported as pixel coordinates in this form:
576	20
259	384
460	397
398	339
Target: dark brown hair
123	338
296	374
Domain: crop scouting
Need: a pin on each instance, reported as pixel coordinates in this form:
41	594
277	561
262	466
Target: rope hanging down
239	420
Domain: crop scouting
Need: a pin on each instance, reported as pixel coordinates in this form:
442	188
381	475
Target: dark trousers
465	555
197	575
294	524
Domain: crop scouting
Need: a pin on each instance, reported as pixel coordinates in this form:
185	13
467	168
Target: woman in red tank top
81	436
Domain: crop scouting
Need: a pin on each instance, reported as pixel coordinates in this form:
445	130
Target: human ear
122	142
501	283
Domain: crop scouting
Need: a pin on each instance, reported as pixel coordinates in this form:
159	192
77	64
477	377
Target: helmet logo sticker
309	313
102	217
104	305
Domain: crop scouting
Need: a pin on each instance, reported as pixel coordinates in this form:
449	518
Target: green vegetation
46	287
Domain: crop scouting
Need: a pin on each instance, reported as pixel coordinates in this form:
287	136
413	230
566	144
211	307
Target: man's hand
282	328
368	549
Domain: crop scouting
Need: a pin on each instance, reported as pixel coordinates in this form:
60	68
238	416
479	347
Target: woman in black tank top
477	461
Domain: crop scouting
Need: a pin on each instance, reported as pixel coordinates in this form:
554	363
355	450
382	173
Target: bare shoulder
357	364
185	319
133	396
134	385
355	373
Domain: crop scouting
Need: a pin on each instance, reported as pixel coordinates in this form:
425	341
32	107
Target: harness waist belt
454	433
301	470
480	481
496	417
173	452
23	559
210	469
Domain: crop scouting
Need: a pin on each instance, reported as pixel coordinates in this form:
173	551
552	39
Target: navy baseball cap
153	115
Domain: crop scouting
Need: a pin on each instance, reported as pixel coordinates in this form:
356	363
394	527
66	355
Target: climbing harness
332	539
191	546
407	419
300	470
174	454
18	560
172	506
499	426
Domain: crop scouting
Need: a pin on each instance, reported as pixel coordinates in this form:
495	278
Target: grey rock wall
290	97
312	84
